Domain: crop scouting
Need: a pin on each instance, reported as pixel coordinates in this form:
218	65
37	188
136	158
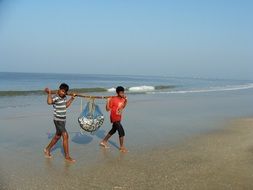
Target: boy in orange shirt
116	104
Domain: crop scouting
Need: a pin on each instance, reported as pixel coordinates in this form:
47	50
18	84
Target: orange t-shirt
116	104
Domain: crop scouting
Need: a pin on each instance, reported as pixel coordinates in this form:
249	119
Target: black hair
120	89
64	86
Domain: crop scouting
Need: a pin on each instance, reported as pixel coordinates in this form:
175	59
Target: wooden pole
90	97
83	96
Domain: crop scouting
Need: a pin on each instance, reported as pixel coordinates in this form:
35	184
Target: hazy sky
202	38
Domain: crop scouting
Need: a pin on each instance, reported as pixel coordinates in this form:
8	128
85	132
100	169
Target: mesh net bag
91	118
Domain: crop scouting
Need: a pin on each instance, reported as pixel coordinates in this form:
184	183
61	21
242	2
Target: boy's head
63	89
120	91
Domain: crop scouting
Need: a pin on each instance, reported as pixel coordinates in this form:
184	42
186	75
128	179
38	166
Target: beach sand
222	159
194	141
219	160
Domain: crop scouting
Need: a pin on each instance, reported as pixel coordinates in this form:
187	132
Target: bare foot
123	149
69	159
47	153
104	144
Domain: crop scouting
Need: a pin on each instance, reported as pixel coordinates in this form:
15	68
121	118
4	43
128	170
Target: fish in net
91	118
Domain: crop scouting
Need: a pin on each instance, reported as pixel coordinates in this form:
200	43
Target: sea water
162	107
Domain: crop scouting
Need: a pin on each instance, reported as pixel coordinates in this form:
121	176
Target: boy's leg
54	140
121	142
65	137
121	137
108	136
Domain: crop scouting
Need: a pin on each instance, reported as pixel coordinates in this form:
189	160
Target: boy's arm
108	107
125	103
49	96
69	102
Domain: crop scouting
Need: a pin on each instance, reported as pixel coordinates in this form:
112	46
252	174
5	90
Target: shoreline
175	142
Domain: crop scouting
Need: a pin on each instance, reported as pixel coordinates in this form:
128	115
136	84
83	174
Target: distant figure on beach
60	104
116	104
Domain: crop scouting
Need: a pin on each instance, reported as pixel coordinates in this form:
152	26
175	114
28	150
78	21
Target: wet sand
219	160
222	159
176	142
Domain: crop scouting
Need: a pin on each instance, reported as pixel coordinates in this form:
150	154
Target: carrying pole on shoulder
83	96
88	96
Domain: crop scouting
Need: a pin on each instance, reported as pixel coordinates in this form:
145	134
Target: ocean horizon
18	84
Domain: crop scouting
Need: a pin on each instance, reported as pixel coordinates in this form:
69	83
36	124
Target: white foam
211	89
141	88
111	89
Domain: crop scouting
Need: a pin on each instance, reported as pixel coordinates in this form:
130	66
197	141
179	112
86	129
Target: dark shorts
116	126
60	127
